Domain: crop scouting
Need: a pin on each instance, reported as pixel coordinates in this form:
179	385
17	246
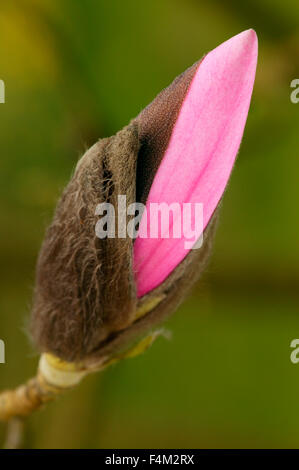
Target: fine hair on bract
85	287
94	296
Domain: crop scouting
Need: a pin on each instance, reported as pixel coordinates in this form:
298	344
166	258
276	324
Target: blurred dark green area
75	71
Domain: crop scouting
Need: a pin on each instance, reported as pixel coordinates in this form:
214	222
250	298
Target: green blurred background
79	70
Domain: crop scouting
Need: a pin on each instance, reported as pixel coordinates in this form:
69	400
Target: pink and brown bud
93	296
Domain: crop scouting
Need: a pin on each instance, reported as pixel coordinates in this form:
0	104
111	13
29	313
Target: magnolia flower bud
94	296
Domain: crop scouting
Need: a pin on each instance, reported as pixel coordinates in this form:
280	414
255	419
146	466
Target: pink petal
202	149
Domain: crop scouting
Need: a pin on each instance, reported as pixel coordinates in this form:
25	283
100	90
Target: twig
14	434
54	377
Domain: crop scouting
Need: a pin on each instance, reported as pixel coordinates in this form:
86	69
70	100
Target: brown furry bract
85	304
85	286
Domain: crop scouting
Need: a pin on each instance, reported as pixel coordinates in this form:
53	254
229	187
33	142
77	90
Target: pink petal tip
202	149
